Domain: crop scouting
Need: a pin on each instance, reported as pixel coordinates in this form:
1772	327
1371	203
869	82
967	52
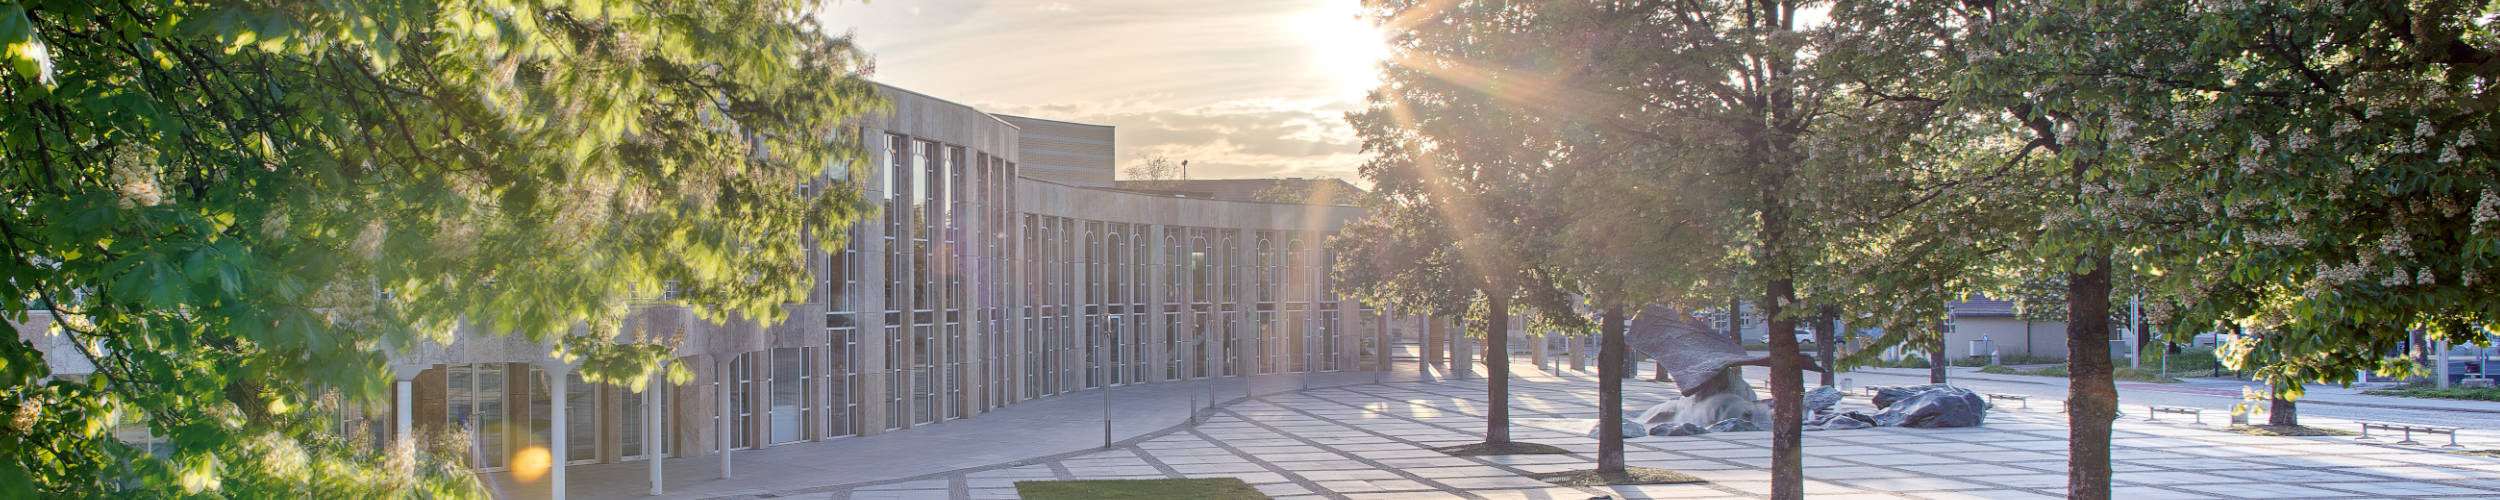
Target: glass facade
948	301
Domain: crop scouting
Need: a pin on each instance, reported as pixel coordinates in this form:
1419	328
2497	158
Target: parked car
1804	337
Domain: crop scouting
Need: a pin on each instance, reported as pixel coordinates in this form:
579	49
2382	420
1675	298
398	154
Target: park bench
2408	430
2157	410
1993	397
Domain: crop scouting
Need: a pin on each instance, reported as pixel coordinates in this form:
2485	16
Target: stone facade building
975	287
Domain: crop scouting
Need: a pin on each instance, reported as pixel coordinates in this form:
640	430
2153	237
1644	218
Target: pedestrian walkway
1373	441
1024	432
2323	403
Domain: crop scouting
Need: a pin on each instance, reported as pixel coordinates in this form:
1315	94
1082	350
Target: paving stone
1371	442
2261	490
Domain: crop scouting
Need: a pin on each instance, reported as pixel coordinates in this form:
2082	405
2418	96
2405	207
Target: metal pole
2135	321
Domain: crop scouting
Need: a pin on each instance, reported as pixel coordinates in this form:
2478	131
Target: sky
1240	88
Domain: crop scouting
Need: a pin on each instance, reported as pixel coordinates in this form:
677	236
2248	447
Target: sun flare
1348	49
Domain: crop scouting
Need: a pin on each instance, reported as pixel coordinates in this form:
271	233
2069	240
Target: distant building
1005	264
1076	154
1311	191
1975	327
1982	323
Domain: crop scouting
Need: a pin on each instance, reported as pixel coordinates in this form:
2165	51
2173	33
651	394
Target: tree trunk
1823	338
1936	360
1497	368
1787	395
1736	320
2283	412
1657	372
2092	400
1610	358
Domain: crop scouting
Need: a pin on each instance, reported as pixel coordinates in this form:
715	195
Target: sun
1346	48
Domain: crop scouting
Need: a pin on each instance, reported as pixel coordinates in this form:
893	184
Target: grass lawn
1630	475
1510	448
2121	373
2425	390
1222	488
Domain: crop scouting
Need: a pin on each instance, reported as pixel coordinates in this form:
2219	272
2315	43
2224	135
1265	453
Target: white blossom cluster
2120	128
2486	210
2280	236
2331	277
2299	140
2397	243
2344	126
134	176
2396	277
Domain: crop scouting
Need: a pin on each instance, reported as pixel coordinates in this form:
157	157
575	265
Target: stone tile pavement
1372	441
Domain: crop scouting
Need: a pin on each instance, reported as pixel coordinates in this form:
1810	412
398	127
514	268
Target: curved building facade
973	288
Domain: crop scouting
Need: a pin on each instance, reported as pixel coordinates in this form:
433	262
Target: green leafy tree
1461	190
236	209
2338	159
2004	161
2294	169
1712	104
1723	100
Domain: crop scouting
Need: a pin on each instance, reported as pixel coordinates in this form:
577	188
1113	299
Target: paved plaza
1372	441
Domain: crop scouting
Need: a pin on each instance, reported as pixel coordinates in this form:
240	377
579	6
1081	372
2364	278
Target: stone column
1536	350
1159	333
1428	336
871	318
653	434
1462	350
1578	348
556	435
1381	353
721	426
970	236
2439	360
403	412
1245	301
1081	303
1349	341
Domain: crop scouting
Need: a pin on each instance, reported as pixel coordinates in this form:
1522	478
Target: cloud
1240	88
1243	138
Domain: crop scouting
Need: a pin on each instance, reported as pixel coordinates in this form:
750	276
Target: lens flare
530	463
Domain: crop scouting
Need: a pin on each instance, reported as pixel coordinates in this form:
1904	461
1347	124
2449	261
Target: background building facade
975	286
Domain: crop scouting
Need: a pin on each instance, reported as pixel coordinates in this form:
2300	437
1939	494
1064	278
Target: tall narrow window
581	420
741	379
789	401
